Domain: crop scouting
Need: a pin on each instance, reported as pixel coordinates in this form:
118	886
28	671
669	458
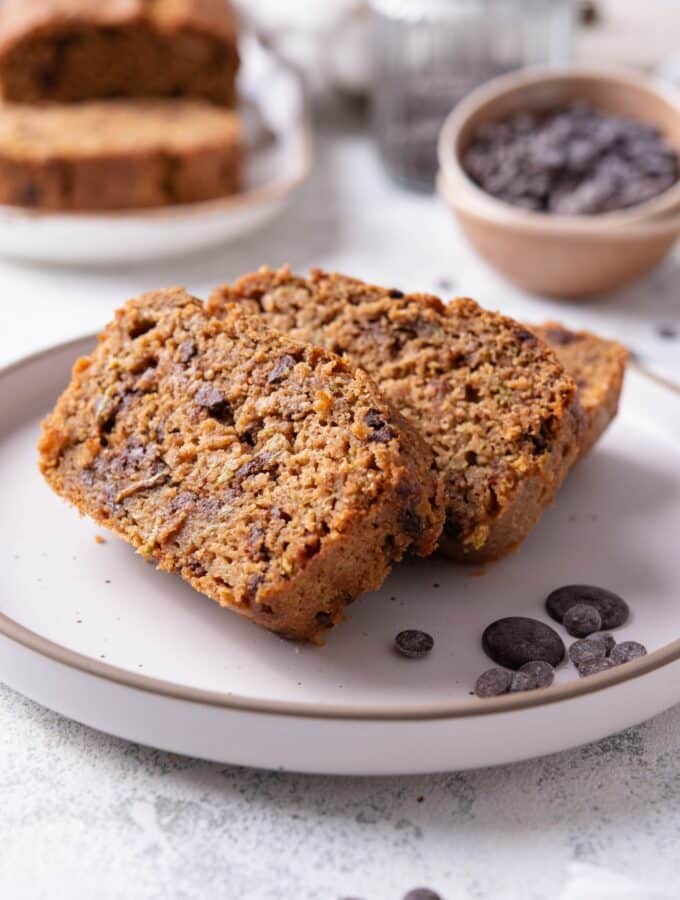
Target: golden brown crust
497	408
118	154
597	366
270	475
72	50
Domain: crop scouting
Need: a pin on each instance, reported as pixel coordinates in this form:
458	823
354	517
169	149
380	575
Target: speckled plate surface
93	632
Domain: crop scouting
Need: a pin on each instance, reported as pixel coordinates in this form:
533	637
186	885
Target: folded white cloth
588	882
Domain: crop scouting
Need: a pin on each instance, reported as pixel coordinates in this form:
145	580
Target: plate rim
31	640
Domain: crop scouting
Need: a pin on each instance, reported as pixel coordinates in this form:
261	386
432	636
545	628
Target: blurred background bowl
558	255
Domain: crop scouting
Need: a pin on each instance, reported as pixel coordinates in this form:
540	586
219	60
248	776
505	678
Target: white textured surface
84	815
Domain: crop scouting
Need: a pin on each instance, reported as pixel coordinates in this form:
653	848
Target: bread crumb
98	539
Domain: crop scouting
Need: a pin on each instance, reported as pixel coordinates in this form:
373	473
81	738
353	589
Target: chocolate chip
381	432
613	609
581	619
281	366
216	404
493	683
526	337
259	463
411	522
521	681
395	294
561	337
452	526
257	548
516	640
627	651
540	672
29	195
606	638
667	331
593	666
422	894
414	643
586	650
324	618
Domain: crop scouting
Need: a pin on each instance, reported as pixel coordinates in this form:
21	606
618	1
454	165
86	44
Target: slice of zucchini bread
270	474
597	366
499	411
72	50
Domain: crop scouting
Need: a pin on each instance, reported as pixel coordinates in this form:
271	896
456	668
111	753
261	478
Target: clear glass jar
427	54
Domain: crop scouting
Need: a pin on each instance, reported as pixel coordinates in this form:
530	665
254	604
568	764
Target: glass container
427	54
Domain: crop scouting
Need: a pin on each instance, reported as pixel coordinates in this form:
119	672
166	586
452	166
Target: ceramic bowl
555	255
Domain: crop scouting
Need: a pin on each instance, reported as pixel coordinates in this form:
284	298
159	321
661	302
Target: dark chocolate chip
395	294
606	638
422	894
516	640
581	619
627	651
324	618
493	683
281	366
411	522
593	666
613	609
526	337
259	463
380	432
561	337
521	681
540	672
586	650
414	643
141	326
667	331
215	403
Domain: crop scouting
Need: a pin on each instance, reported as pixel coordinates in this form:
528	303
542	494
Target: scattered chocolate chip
516	640
521	681
627	651
395	294
381	432
414	643
593	666
588	13
281	366
422	894
540	672
586	650
613	609
493	683
667	331
445	285
606	638
215	403
581	619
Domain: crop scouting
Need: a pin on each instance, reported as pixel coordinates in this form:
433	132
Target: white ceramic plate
93	632
278	159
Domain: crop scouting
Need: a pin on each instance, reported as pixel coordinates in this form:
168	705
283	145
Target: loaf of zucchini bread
270	474
499	411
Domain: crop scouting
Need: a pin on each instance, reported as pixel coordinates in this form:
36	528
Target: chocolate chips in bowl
566	181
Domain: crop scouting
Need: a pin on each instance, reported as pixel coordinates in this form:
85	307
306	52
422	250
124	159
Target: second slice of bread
493	402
